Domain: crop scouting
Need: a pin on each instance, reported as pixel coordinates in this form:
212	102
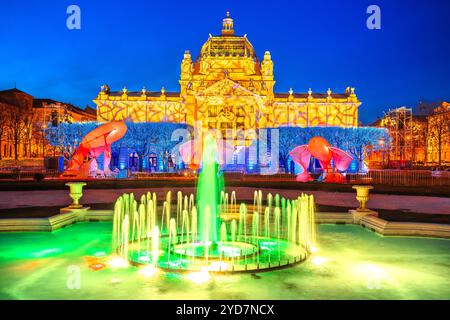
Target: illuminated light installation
95	143
321	149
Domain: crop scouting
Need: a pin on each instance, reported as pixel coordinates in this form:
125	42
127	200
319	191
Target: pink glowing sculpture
95	143
320	149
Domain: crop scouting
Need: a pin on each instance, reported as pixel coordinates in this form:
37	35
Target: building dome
227	44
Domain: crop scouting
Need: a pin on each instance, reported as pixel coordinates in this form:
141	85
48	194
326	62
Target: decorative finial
291	91
163	91
187	55
352	90
124	90
143	90
102	88
309	92
329	92
227	25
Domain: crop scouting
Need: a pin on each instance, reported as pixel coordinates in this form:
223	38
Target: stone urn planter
76	192
362	195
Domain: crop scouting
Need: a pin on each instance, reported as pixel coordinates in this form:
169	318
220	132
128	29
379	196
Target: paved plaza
420	204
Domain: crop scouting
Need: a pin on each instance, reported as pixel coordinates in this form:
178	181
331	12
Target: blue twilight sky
317	44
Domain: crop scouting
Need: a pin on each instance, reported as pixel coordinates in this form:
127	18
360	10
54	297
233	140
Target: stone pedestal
358	215
75	192
80	212
362	195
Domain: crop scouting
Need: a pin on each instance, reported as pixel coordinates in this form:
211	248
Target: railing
421	178
403	178
16	173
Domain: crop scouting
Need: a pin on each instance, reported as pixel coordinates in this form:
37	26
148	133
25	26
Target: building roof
9	97
227	44
415	117
155	94
40	103
314	95
13	90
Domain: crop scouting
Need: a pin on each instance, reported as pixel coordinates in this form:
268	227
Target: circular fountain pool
351	263
177	237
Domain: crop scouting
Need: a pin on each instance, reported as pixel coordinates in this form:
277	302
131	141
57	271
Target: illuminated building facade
421	138
408	132
438	138
228	87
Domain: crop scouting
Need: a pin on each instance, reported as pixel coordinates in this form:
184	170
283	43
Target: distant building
23	121
418	138
51	111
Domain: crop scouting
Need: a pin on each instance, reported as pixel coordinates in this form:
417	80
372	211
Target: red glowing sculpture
95	143
321	149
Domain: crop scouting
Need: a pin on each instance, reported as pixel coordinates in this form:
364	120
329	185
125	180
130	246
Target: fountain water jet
206	235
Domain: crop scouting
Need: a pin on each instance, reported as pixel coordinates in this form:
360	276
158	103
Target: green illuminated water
208	192
352	263
137	238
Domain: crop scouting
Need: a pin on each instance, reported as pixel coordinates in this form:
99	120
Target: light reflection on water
351	263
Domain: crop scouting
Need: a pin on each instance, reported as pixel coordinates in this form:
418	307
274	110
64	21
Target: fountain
214	233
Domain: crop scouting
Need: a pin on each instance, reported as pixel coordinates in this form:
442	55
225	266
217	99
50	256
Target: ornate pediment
225	88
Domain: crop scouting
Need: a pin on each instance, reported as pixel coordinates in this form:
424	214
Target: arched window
170	161
134	160
152	162
114	159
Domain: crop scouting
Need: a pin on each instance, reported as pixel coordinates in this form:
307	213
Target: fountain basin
223	258
281	235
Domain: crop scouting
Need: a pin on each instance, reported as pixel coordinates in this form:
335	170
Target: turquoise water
352	263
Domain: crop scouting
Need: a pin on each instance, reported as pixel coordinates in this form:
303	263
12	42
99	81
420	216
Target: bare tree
439	130
16	128
4	120
67	137
28	131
